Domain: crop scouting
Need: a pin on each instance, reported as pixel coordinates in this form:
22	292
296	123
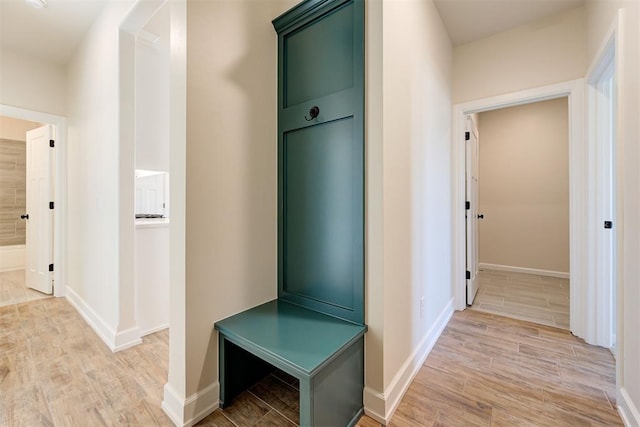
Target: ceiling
469	20
52	33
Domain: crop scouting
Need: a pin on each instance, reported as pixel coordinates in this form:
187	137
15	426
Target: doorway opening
519	211
592	303
24	223
579	232
35	256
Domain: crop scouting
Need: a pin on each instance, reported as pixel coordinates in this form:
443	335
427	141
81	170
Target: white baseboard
374	405
116	341
12	258
381	406
154	330
627	409
511	269
127	338
188	412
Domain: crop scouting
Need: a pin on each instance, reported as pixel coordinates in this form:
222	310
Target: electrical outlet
421	306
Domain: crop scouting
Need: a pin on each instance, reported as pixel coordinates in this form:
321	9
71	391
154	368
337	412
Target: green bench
324	353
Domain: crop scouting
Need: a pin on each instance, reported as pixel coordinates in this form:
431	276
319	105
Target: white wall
231	187
524	186
32	84
94	187
548	51
152	104
409	219
600	15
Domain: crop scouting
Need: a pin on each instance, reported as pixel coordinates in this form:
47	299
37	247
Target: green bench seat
324	353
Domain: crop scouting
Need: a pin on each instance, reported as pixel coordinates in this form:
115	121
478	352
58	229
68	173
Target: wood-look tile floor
14	291
485	370
55	371
490	370
531	297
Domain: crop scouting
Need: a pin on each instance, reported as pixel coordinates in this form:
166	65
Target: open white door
39	215
471	138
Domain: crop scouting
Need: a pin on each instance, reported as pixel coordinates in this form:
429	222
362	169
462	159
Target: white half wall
152	276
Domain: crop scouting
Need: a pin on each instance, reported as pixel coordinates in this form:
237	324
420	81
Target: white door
39	247
472	209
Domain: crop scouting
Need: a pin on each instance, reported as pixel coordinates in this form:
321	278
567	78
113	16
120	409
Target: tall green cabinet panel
321	157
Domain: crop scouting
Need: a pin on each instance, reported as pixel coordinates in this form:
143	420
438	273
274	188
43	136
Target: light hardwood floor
531	297
485	370
14	291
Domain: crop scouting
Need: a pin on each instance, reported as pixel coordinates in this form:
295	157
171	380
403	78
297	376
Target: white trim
628	411
60	187
177	377
115	341
525	270
387	402
12	258
187	412
126	339
598	301
374	405
101	328
577	182
155	329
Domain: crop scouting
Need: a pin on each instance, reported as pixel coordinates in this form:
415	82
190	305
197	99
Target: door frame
606	330
579	235
59	124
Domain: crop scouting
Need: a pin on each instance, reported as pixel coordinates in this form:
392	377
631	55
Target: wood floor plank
280	396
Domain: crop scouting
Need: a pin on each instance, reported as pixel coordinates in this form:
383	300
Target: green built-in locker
321	157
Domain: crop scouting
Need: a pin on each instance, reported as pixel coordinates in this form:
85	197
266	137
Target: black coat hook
313	112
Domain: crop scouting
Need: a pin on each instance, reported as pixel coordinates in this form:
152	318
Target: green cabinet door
321	157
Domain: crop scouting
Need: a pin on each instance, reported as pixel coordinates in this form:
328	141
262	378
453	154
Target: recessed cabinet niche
315	330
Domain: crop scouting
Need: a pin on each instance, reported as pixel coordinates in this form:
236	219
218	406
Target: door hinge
50	267
467	205
50	205
52	143
608	224
467	136
468	275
